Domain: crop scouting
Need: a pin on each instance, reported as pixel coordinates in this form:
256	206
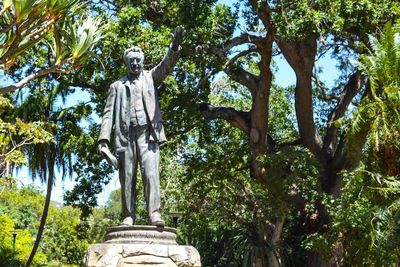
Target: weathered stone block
147	246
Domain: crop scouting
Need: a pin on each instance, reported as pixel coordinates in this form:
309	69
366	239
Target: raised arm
161	71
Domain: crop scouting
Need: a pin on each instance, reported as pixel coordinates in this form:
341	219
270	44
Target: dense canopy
264	174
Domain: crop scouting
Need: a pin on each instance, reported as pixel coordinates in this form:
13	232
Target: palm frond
382	109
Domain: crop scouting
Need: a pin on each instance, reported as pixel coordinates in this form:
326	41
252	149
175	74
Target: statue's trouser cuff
146	153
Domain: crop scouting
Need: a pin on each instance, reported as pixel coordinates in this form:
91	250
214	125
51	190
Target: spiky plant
25	23
379	113
381	108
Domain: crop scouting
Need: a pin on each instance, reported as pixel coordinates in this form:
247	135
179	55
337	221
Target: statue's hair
134	49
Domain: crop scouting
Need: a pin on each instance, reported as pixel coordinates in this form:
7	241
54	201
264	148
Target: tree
29	26
297	32
293	173
65	238
26	23
380	109
302	32
370	193
20	209
14	136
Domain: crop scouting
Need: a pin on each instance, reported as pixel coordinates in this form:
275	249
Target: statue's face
134	62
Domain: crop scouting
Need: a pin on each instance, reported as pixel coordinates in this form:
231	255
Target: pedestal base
147	246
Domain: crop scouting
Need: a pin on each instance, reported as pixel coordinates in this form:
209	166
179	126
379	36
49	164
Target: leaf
57	46
23	8
86	33
6	5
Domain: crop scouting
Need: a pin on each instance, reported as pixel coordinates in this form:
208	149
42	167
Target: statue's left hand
178	38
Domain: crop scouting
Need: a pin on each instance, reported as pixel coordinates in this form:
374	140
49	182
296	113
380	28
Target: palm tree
25	24
79	39
44	157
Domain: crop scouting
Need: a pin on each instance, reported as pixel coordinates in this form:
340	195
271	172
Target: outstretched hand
177	38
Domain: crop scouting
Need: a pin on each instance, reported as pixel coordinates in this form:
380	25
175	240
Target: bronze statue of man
133	111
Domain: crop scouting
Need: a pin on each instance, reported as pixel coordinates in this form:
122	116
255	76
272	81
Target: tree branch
240	75
21	83
154	12
263	12
322	90
25	142
296	142
348	154
239	119
349	92
300	54
83	85
266	57
274	146
245	38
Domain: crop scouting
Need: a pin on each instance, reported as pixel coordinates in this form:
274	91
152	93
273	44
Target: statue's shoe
156	220
127	221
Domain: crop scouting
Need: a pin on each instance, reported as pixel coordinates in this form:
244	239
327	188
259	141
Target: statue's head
134	58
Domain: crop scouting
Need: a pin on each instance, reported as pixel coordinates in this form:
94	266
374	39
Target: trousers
145	153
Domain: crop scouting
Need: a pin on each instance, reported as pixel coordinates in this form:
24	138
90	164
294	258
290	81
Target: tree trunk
273	257
259	110
300	54
258	131
42	220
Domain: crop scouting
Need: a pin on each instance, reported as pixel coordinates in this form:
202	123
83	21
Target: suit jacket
117	110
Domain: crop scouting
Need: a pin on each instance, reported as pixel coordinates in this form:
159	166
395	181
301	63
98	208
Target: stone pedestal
141	245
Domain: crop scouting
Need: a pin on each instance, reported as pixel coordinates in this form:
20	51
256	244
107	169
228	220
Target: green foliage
381	110
228	216
65	239
9	258
382	64
24	23
22	205
16	135
365	219
281	123
23	244
295	19
29	25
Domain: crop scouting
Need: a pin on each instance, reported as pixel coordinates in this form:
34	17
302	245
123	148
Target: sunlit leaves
14	136
382	109
382	65
18	212
296	18
74	40
23	23
366	213
66	237
366	217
